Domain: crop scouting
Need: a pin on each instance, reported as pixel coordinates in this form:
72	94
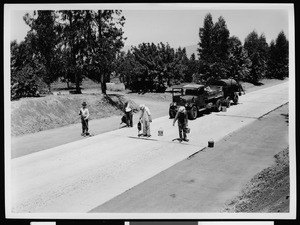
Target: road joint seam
195	153
273	110
247	117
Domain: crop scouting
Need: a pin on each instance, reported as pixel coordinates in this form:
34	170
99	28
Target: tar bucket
224	108
211	143
160	132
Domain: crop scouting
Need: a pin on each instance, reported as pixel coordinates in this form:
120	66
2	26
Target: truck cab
195	98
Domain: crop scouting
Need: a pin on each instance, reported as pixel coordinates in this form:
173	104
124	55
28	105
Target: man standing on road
84	113
182	118
145	119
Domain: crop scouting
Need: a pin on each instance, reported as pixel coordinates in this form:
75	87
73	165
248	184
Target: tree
147	67
278	63
180	66
220	49
124	66
151	67
282	46
205	50
257	49
73	44
25	69
239	62
45	39
192	68
105	41
220	40
74	27
272	67
213	49
65	60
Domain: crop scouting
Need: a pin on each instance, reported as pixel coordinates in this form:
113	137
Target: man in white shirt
84	113
145	119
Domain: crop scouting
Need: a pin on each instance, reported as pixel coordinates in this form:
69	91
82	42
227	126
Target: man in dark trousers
182	118
84	113
128	114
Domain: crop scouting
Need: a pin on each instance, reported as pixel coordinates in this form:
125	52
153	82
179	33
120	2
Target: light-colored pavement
79	176
207	181
30	143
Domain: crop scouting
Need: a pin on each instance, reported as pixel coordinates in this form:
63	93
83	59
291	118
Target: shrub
24	83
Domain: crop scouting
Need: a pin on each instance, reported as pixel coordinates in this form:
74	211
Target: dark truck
196	98
199	97
232	90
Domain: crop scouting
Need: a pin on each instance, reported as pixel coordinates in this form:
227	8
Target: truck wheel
218	105
172	113
227	102
193	112
235	99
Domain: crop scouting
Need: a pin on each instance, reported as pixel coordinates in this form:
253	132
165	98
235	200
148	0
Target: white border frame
152	6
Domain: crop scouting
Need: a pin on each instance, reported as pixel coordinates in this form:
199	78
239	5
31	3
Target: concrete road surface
82	175
30	143
207	181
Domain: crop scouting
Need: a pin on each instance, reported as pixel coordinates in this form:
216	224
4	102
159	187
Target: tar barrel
211	143
160	132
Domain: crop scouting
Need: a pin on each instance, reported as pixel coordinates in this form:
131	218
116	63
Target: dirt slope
268	191
30	115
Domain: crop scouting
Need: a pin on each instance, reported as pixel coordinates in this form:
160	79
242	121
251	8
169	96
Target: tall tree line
71	44
222	56
278	63
153	67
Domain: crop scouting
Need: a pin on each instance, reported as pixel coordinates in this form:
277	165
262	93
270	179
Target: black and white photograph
200	223
149	111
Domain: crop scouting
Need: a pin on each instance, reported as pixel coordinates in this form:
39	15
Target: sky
179	25
181	28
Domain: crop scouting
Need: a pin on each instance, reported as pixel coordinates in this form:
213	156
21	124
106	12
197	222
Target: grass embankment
268	191
30	115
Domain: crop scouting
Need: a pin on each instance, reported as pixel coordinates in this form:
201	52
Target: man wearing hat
84	113
128	114
182	118
145	119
